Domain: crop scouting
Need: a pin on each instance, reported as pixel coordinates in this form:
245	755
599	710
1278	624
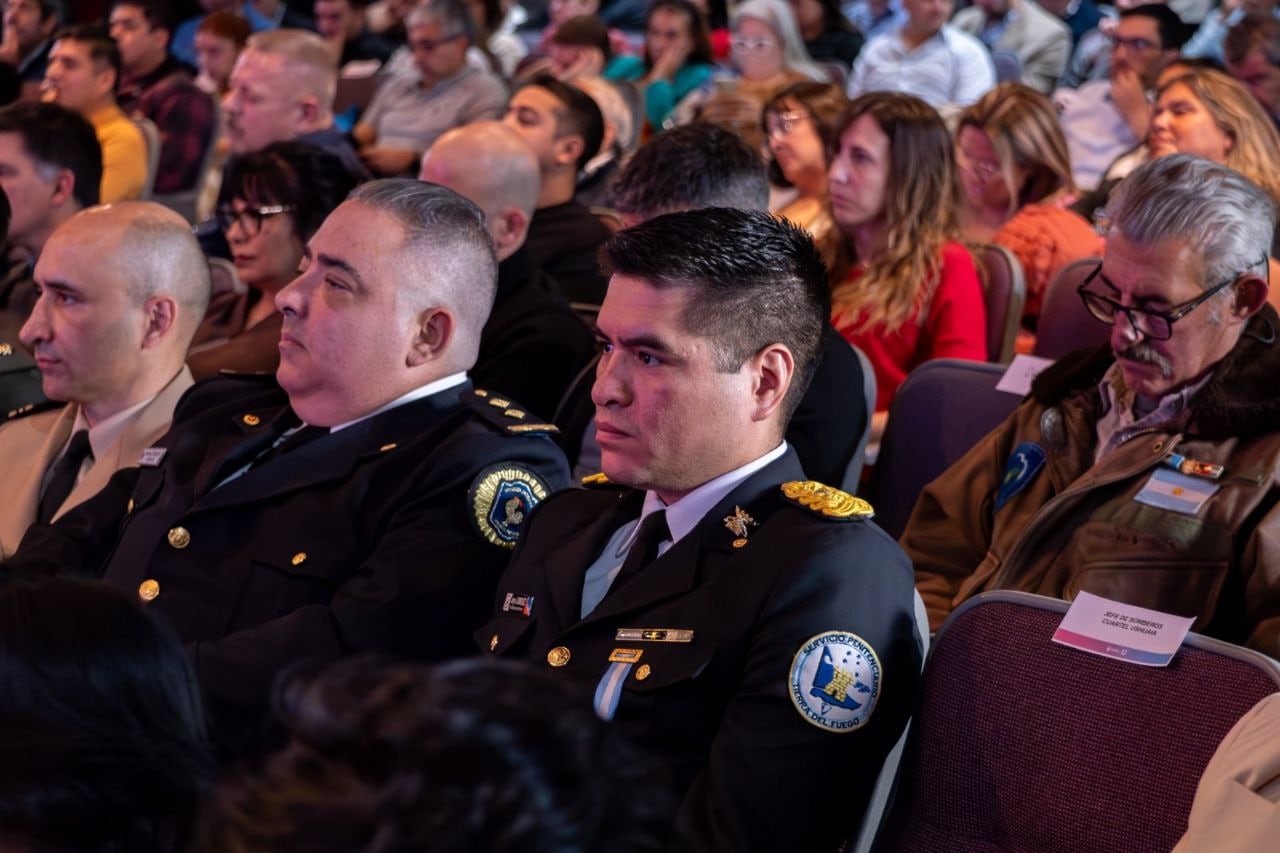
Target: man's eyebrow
1143	299
641	341
340	264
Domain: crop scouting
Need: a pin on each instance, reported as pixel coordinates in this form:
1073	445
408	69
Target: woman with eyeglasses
797	124
677	58
904	290
271	202
1015	174
768	55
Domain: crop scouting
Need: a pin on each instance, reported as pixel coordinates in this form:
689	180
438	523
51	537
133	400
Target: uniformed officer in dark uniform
752	628
369	505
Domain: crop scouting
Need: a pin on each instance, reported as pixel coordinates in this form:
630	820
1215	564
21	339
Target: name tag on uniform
1176	492
654	635
516	603
151	457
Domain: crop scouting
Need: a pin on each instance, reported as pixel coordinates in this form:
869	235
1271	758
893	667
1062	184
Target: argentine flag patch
1176	492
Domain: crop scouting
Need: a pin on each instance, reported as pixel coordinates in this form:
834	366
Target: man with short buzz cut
84	67
410	111
50	169
746	625
1040	40
282	88
1252	50
702	165
565	128
29	26
1146	471
157	87
533	345
122	290
367	503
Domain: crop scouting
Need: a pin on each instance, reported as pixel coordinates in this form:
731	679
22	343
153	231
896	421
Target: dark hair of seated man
470	755
102	739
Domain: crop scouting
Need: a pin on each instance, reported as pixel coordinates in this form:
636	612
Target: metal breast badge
739	523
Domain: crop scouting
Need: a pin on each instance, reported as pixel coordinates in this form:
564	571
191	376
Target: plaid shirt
185	116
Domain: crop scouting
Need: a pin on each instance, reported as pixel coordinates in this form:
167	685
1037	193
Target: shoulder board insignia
826	501
596	480
504	413
500	499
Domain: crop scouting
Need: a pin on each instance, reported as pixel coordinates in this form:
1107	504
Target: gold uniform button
251	420
643	672
149	590
559	656
179	537
493	642
299	558
129	509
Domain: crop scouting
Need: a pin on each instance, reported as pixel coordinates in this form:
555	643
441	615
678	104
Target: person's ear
510	227
308	108
434	330
569	149
160	313
64	188
773	370
1251	294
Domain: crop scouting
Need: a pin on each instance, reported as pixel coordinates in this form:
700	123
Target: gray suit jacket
1039	38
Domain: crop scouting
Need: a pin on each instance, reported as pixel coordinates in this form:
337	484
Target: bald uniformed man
533	344
368	503
122	290
750	627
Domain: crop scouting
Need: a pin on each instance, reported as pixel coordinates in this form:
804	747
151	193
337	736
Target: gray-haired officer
370	505
753	628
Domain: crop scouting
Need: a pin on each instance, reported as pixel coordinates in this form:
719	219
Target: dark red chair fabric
1065	325
1023	744
1004	288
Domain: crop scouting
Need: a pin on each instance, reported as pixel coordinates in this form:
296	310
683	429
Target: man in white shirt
122	290
743	623
927	58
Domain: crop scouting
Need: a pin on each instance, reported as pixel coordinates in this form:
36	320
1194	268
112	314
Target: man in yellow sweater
84	66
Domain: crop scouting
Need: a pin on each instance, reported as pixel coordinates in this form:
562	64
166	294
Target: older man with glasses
1146	471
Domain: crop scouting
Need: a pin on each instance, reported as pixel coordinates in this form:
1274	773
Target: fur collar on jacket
1240	400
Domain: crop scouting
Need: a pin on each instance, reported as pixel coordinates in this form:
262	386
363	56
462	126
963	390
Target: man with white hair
366	504
1146	471
122	290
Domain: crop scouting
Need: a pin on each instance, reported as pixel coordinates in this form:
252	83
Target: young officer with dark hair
752	628
367	503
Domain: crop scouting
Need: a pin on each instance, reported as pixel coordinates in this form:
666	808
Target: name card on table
1122	631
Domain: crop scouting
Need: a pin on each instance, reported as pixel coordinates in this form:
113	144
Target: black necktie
289	443
65	473
644	548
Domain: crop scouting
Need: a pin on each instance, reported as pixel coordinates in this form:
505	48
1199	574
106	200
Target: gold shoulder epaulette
505	413
826	501
596	481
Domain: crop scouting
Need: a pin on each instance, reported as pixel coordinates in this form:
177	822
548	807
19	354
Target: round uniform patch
835	681
501	497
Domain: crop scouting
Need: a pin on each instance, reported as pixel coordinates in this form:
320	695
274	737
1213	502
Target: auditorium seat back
940	411
1065	325
1019	743
1004	287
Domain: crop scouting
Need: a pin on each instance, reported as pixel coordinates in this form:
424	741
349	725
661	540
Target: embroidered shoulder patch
835	681
500	499
1024	463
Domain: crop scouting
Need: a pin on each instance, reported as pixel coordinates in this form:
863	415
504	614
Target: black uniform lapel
678	570
252	433
332	457
566	565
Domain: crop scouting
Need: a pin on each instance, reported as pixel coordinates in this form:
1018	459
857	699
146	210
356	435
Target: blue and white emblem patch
835	681
1023	465
501	498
